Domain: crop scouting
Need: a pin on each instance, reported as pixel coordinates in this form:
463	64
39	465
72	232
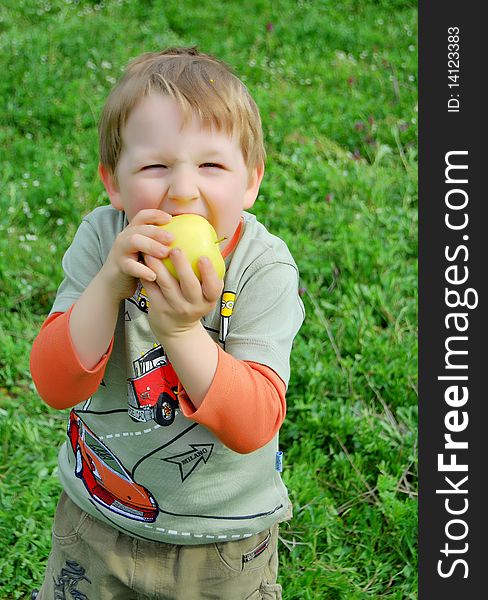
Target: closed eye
212	165
154	167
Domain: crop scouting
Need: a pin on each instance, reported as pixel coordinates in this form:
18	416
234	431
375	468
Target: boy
171	487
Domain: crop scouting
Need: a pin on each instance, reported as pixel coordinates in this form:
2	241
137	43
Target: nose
182	186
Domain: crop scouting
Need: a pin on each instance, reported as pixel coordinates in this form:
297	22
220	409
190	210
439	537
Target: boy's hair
202	85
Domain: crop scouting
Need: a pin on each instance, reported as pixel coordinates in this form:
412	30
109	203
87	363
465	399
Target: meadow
337	87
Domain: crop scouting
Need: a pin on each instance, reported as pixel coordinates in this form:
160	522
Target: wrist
181	334
92	321
110	285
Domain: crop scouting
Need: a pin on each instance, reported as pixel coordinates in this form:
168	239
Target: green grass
336	83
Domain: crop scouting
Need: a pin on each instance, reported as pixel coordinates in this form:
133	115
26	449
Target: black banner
452	301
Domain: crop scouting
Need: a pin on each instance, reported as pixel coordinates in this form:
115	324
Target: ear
252	191
110	184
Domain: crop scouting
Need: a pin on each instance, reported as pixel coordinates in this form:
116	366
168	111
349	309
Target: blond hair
202	86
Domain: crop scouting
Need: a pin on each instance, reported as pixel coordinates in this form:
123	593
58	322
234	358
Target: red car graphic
106	480
154	389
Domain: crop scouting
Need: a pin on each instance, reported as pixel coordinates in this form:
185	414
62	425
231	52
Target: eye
154	167
212	165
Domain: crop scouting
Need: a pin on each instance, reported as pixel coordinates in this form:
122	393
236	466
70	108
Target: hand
176	307
123	269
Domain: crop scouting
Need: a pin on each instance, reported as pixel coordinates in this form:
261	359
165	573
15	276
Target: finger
151	216
138	270
166	282
136	242
212	285
154	232
189	284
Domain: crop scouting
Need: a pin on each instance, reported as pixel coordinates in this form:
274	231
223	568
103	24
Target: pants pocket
267	591
271	591
69	521
249	554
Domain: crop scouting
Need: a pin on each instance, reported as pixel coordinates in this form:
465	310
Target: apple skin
196	237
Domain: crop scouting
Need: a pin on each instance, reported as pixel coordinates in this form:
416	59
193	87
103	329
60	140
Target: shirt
138	455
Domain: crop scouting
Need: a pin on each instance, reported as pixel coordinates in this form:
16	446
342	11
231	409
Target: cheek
145	194
226	217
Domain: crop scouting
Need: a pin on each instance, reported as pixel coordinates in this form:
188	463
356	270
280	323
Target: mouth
178	214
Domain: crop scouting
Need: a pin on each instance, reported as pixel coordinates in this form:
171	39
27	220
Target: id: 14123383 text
453	62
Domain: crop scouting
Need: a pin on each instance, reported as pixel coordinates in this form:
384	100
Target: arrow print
188	461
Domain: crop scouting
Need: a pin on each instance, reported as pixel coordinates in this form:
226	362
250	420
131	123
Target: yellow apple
196	237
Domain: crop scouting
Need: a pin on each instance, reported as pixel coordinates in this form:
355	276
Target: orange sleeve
60	379
244	407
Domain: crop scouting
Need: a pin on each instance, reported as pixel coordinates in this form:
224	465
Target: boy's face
189	170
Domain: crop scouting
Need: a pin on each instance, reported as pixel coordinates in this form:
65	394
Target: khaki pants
92	561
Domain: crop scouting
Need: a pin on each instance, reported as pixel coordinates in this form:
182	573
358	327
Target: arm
175	310
60	378
244	407
70	353
92	321
94	315
243	404
72	347
194	357
241	401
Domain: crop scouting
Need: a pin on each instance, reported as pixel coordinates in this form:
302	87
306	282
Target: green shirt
132	459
